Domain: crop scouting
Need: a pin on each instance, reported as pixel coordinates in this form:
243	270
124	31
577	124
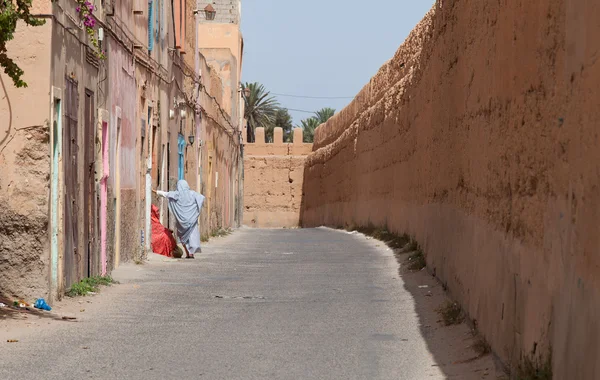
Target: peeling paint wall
480	138
220	154
273	180
123	131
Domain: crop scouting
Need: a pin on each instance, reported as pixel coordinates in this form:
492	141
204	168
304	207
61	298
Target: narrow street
260	304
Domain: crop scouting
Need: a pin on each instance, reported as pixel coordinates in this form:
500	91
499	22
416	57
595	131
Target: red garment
163	241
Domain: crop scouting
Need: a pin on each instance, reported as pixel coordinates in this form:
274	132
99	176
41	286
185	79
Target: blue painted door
180	150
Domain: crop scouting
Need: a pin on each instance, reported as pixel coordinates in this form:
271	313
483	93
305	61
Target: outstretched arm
199	200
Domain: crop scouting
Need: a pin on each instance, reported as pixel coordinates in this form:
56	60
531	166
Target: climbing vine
85	10
11	11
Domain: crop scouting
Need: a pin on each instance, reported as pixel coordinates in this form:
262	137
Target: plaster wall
25	165
25	120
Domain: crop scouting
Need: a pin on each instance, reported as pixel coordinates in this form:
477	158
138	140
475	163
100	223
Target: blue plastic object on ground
40	303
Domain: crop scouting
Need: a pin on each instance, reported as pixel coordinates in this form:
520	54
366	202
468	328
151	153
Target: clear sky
324	48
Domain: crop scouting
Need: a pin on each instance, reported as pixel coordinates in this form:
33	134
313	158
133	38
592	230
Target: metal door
72	257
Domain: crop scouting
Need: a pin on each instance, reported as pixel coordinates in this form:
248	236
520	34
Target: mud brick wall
25	165
24	241
131	234
273	181
480	137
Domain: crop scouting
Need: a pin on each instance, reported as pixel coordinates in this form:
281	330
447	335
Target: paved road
261	304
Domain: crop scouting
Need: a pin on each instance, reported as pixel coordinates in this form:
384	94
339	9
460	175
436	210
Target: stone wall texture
273	181
480	138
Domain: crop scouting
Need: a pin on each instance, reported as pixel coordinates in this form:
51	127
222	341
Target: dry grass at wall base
221	232
401	244
481	345
451	313
391	239
416	261
89	285
535	369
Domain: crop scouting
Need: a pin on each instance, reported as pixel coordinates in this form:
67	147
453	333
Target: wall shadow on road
456	349
453	347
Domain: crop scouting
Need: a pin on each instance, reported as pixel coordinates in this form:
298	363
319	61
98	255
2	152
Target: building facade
114	108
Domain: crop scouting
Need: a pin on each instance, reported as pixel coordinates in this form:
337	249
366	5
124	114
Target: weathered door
155	169
72	257
90	260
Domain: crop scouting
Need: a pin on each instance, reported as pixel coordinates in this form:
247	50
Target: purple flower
78	9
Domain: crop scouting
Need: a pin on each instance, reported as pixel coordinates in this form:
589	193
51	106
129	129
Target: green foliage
283	119
85	10
221	232
324	114
10	13
309	125
89	285
261	108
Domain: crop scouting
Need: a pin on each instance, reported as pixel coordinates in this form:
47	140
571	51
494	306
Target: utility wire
291	109
313	97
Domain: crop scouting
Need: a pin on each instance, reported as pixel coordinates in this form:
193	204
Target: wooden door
72	257
90	259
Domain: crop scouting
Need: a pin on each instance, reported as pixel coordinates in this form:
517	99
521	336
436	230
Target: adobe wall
25	164
480	138
273	180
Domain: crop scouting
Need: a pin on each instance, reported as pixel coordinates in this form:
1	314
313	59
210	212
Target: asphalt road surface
261	304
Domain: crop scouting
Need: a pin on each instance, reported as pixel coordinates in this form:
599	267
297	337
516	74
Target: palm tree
309	125
260	108
283	119
324	114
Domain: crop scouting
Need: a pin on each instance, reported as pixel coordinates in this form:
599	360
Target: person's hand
154	191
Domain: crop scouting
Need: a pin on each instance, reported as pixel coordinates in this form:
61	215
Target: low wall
273	180
480	138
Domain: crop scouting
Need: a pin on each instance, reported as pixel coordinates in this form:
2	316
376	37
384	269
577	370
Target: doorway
56	156
90	261
72	257
118	194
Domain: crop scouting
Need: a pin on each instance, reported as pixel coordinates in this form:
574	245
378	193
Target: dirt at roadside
455	347
16	322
